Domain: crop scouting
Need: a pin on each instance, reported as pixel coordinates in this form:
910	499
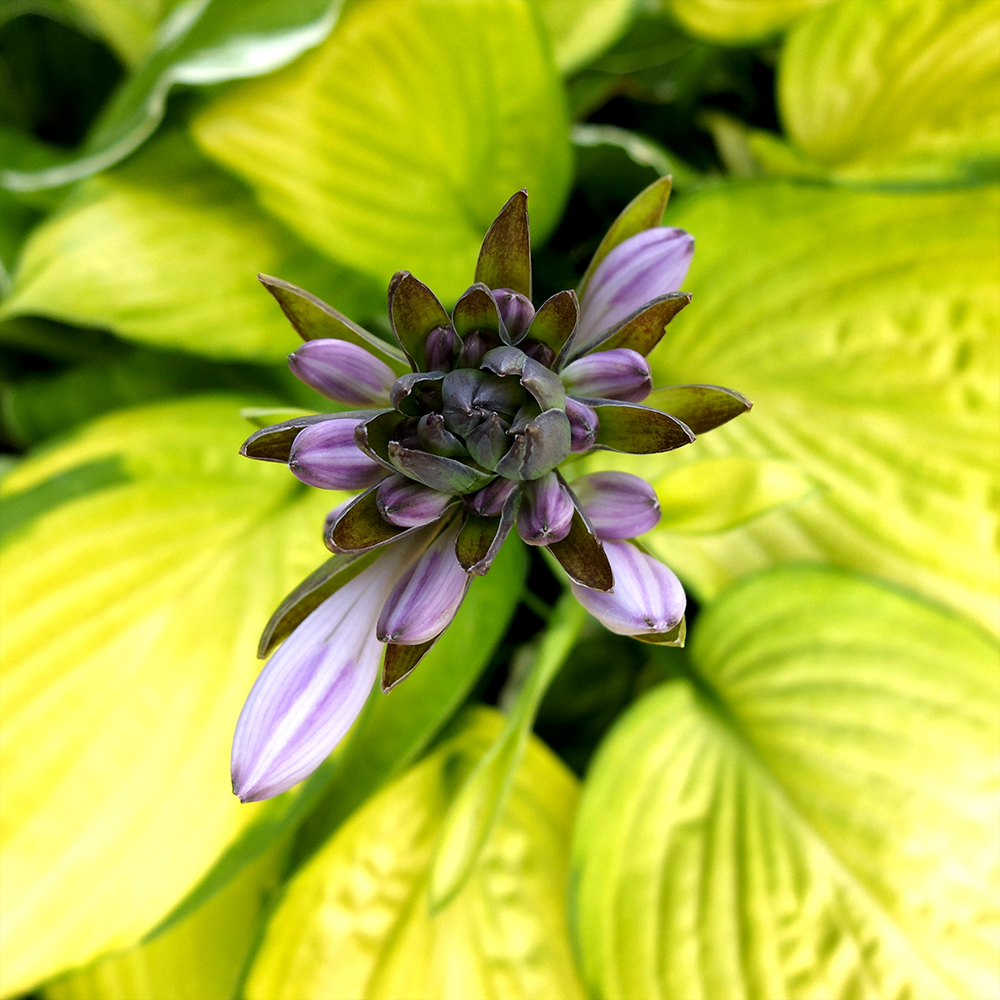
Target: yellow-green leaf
199	958
814	814
355	922
896	90
738	22
145	557
165	250
863	326
395	143
582	30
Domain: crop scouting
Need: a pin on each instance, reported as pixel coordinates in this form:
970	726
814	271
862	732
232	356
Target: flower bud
490	499
407	504
437	439
440	349
618	504
647	597
326	456
343	371
427	596
583	425
547	511
516	311
620	373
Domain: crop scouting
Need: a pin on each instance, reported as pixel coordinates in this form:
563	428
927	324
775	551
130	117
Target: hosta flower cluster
455	440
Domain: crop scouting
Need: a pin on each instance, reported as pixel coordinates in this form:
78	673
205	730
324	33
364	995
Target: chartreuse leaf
896	90
200	42
863	328
474	812
355	920
398	140
812	814
582	30
132	602
198	959
165	250
738	22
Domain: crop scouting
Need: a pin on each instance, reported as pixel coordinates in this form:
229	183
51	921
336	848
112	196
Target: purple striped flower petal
516	311
312	689
647	597
325	455
427	596
620	373
618	504
547	511
646	265
407	503
343	371
583	425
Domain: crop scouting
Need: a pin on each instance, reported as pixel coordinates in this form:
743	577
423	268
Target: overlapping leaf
813	814
741	22
863	328
397	141
584	29
165	250
355	921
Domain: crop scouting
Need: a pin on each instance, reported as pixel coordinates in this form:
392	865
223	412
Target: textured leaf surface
863	327
896	89
198	959
165	250
147	557
814	816
397	141
356	923
738	22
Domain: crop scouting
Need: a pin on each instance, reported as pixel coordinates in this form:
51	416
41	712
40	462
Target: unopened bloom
459	436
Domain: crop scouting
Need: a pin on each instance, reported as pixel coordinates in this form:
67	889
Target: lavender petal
547	511
583	425
343	371
616	374
647	598
618	504
325	455
645	266
407	503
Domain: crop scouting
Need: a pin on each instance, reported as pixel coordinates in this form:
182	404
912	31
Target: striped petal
326	455
343	371
618	504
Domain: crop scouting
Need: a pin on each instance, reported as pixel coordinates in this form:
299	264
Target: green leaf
204	42
582	30
355	921
812	814
900	91
474	812
128	26
165	250
198	959
395	143
863	327
131	612
738	22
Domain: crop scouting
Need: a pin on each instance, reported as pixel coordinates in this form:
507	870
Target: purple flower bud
440	349
407	504
583	425
620	373
312	689
547	511
475	345
516	311
343	371
490	499
437	439
618	504
326	456
541	353
427	596
646	265
647	598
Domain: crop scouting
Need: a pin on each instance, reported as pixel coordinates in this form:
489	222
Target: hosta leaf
812	815
397	141
198	959
355	921
896	90
582	30
201	43
738	22
132	603
165	250
863	327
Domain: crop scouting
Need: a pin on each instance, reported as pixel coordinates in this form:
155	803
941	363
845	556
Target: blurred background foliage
803	802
